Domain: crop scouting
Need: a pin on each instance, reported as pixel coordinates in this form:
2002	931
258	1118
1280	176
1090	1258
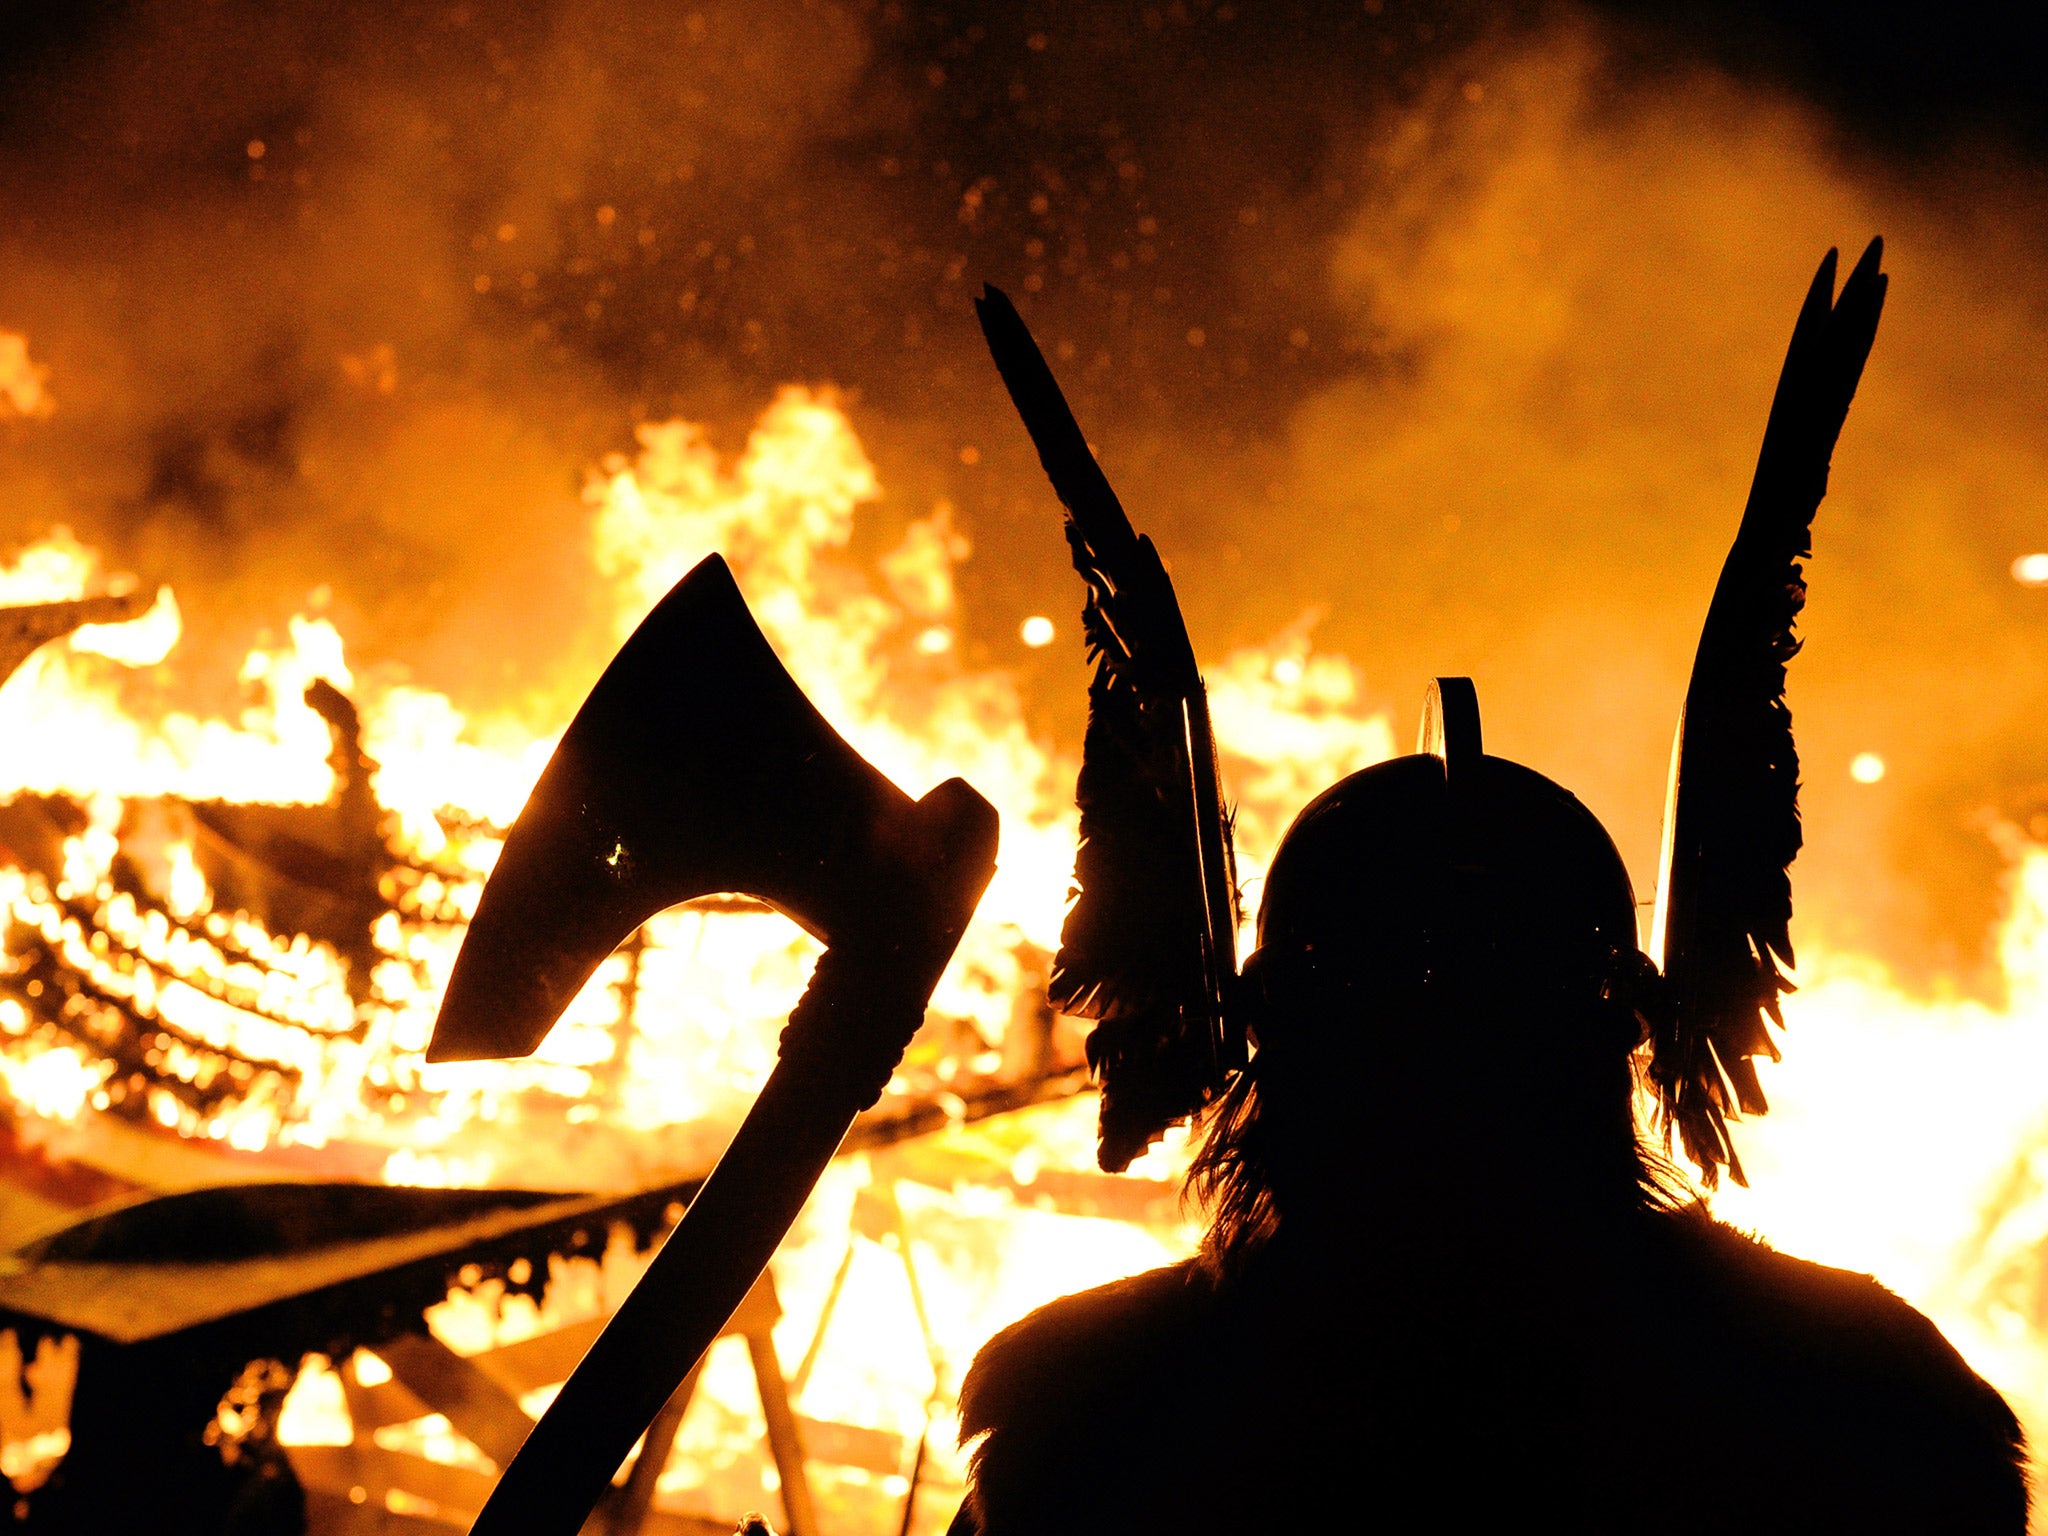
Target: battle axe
698	766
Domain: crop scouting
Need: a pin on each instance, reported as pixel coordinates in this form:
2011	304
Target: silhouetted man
1445	1286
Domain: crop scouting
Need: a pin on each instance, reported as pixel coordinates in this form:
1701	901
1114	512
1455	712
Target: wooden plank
26	627
547	1358
759	1311
332	1474
661	1522
371	1408
478	1407
626	1509
126	1303
784	1439
542	1360
335	1514
852	1445
340	1469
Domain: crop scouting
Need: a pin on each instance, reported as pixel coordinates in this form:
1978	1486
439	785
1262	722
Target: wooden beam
343	1469
625	1510
480	1409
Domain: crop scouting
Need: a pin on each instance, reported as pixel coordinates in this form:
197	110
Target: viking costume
1447	1286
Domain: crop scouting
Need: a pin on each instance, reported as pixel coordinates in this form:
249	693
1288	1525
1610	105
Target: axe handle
841	1045
671	1317
865	1000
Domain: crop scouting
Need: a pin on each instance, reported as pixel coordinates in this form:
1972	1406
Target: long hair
1231	1176
1263	1157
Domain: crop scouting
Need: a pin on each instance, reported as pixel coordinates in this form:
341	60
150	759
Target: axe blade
696	766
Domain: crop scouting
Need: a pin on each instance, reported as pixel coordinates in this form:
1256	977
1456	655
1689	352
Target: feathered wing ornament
1731	823
1149	947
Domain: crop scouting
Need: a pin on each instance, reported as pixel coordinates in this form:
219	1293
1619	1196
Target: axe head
696	766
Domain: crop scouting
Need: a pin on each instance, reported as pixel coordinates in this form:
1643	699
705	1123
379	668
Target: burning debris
404	1340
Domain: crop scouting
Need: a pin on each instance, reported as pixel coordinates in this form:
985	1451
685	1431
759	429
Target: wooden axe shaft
841	1046
680	1306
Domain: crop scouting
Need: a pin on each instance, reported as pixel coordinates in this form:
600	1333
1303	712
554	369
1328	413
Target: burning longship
227	938
1425	311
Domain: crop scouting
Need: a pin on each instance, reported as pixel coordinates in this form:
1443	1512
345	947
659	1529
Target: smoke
1458	326
327	299
1591	281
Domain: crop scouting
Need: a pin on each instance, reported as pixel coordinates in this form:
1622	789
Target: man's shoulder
1084	1346
1832	1317
1845	1373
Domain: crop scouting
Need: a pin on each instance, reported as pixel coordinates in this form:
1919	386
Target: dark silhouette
1446	1285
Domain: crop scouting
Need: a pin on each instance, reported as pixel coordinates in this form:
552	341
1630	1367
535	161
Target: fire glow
1903	1133
1528	327
315	1067
135	1004
260	1045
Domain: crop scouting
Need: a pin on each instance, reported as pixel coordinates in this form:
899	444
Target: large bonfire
148	1005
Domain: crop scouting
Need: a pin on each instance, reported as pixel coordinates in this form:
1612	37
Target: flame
1906	1140
22	390
35	1408
70	730
270	1042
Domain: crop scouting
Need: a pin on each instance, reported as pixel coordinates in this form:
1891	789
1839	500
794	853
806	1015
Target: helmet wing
1731	826
1149	945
